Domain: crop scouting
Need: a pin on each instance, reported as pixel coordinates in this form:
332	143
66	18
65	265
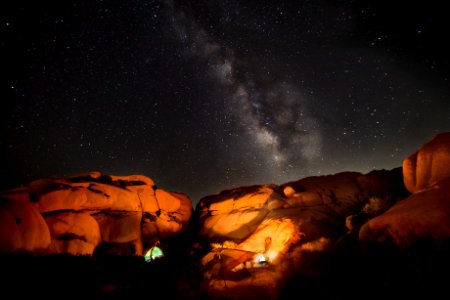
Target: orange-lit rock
22	228
265	233
236	214
166	201
89	196
423	217
288	191
119	227
340	192
183	214
270	239
73	232
164	223
429	164
90	210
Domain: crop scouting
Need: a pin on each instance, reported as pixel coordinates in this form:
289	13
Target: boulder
429	164
422	218
73	232
22	227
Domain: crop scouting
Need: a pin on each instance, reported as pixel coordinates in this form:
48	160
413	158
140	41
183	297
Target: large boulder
429	164
423	217
90	211
22	227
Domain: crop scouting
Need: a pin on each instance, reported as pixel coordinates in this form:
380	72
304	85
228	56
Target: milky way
274	116
203	96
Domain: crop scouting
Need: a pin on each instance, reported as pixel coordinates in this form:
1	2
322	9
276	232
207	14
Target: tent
153	253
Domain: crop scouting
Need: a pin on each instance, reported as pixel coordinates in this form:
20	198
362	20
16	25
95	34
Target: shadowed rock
424	216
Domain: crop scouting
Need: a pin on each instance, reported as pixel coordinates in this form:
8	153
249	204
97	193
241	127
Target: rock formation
376	231
424	216
90	212
261	236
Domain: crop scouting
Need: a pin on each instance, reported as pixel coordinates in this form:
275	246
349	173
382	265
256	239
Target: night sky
203	96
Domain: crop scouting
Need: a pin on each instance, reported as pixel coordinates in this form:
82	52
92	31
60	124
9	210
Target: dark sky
203	96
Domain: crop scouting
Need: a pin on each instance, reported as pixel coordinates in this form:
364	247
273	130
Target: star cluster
204	96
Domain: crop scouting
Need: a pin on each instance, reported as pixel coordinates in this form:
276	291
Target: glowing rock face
22	227
72	232
81	214
264	231
429	164
271	238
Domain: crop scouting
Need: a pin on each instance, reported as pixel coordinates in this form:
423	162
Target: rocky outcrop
85	213
22	227
428	165
423	218
259	236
